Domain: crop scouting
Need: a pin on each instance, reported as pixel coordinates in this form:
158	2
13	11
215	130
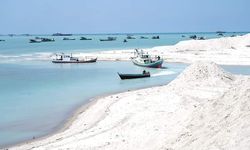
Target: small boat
156	37
143	37
61	34
220	34
47	40
201	38
145	60
68	39
35	40
194	37
144	74
25	35
130	37
84	38
39	40
109	39
61	58
2	40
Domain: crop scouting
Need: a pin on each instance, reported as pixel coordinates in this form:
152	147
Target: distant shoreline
142	33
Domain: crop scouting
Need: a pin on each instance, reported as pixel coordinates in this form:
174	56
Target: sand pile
219	108
206	73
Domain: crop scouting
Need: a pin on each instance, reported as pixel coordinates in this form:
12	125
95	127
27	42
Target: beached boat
145	60
61	58
144	74
109	39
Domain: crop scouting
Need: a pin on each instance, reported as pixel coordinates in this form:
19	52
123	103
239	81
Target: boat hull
75	61
133	76
155	64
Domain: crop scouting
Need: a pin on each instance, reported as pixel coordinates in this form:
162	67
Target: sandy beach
205	107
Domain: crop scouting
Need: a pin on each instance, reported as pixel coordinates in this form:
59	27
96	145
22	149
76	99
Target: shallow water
36	97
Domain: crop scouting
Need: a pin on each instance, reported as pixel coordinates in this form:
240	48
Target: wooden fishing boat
134	76
84	38
68	38
61	34
69	59
145	60
35	40
109	39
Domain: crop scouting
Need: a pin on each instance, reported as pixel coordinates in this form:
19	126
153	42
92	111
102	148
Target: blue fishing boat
145	60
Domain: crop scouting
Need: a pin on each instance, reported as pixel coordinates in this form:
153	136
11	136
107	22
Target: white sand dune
204	108
225	50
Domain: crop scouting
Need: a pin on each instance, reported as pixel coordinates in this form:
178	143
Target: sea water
19	45
36	97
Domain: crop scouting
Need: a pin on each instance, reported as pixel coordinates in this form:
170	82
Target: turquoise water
18	45
37	96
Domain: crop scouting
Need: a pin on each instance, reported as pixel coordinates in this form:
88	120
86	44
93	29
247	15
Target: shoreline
77	110
73	115
215	86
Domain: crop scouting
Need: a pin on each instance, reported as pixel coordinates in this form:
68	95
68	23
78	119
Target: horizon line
16	34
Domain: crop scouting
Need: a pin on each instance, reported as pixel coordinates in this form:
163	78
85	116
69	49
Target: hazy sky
123	16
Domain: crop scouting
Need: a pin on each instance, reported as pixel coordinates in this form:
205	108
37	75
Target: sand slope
204	108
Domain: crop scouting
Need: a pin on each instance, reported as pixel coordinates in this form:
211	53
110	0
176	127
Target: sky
123	16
